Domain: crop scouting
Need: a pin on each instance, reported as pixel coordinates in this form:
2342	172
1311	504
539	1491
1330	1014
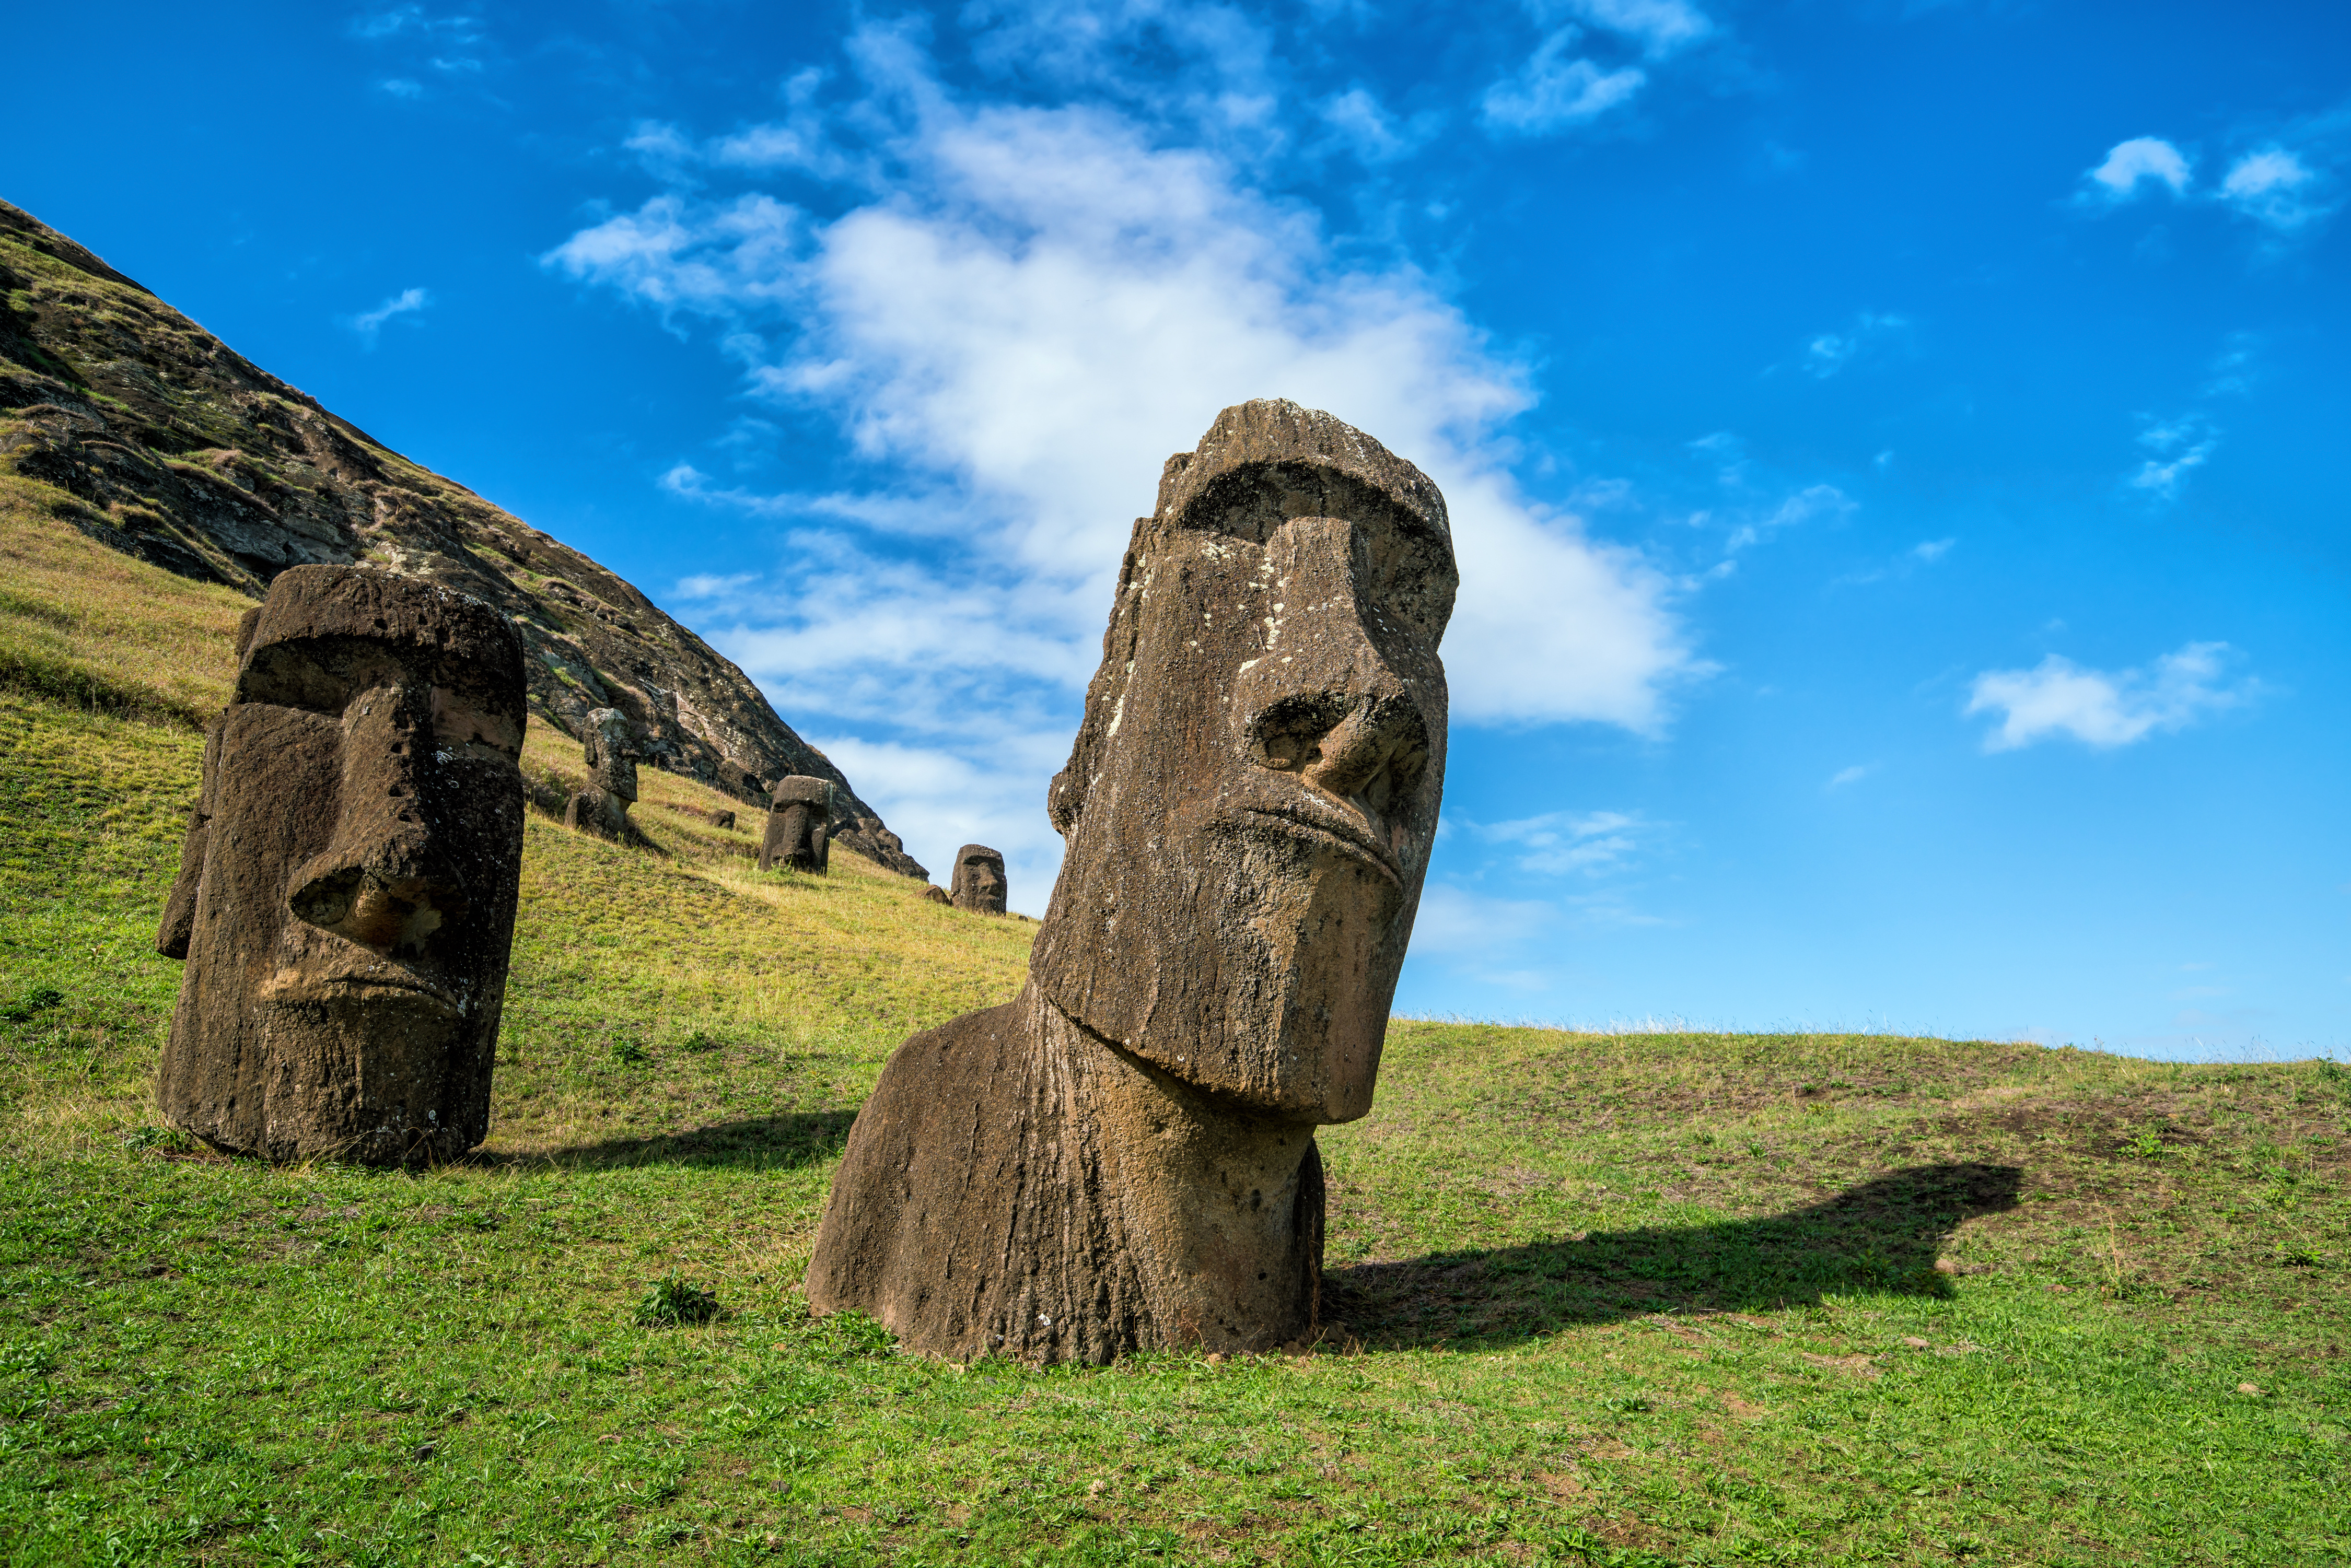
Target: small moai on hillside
345	898
799	813
610	746
978	881
722	819
1123	1158
936	895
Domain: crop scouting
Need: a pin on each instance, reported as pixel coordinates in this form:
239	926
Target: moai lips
345	896
800	812
978	881
1124	1158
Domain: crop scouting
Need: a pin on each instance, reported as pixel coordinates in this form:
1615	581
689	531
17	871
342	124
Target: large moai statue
345	895
1123	1157
978	881
611	746
800	815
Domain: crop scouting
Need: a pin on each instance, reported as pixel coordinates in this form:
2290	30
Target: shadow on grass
784	1142
1882	1235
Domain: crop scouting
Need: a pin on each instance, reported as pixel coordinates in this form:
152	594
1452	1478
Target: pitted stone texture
345	895
799	816
978	881
1124	1159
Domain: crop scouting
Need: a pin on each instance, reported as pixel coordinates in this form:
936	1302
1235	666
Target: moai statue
1123	1157
602	807
345	895
978	880
936	896
722	819
800	812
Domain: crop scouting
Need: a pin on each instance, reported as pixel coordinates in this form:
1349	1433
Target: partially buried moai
345	895
611	750
1123	1157
799	816
978	880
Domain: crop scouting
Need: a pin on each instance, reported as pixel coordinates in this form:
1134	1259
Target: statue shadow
787	1141
1882	1236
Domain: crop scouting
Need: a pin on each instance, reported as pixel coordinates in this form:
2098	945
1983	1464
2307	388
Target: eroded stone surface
345	896
799	818
979	882
611	745
1124	1158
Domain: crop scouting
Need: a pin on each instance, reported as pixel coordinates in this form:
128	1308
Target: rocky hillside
165	443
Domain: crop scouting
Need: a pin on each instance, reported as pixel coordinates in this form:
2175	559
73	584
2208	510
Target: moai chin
345	896
978	880
799	813
611	748
1123	1157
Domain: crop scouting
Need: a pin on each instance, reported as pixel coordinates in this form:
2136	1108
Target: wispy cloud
1569	79
2275	188
1359	123
369	323
2175	447
2108	708
1871	333
1558	843
1853	774
2133	167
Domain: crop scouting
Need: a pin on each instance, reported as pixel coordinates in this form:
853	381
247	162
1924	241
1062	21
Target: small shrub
629	1053
36	1002
669	1299
699	1042
2146	1145
157	1140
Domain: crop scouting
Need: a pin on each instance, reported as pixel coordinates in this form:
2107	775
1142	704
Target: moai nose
384	882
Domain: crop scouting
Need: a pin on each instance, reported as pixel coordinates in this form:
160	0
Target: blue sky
1897	449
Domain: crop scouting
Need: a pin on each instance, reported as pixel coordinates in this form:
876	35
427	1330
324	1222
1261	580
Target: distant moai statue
978	881
345	898
602	807
800	812
936	896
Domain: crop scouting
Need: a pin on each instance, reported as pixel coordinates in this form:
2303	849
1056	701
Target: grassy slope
1639	1300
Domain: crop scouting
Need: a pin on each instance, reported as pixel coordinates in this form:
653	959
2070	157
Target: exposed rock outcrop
162	443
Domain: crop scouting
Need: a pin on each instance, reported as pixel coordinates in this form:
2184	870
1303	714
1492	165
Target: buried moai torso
979	884
800	815
1123	1157
345	896
610	748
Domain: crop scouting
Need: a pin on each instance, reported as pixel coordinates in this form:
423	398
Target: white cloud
1929	551
1661	27
1373	134
369	323
401	87
2107	709
1853	775
2174	448
2275	188
2130	164
1552	92
1558	843
1829	352
1813	503
1454	920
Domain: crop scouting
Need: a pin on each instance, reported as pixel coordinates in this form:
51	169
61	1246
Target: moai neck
1220	1209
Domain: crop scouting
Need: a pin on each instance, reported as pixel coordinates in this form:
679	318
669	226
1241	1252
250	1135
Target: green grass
1634	1299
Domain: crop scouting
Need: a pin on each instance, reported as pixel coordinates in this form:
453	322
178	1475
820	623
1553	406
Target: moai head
345	896
978	880
611	745
1253	794
799	813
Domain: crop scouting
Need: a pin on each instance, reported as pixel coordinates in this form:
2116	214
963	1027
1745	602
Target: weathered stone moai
978	880
799	813
722	819
934	894
1123	1157
602	807
345	895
